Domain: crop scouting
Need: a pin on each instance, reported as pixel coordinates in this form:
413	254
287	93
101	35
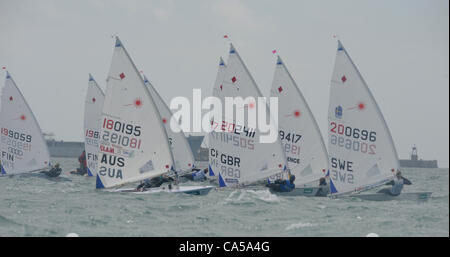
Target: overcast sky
401	47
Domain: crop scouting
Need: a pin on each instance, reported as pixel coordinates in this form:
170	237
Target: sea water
39	206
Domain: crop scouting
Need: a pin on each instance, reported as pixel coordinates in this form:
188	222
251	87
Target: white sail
181	151
236	153
307	157
133	141
93	106
361	150
208	138
22	144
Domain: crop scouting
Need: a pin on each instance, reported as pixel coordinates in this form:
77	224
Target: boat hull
301	191
193	190
420	196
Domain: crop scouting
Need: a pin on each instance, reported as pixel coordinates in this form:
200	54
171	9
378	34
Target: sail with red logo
23	146
361	151
241	151
182	153
133	143
306	154
93	106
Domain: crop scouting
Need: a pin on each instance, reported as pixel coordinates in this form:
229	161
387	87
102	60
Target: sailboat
307	157
236	155
93	105
133	143
217	88
361	150
23	147
181	151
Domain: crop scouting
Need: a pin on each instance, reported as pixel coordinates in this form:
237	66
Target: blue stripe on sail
221	182
332	187
98	183
3	170
232	51
89	172
279	62
211	172
118	43
340	47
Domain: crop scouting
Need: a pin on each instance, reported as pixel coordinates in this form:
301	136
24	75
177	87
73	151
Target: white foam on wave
231	195
372	235
251	195
241	196
72	235
300	225
264	195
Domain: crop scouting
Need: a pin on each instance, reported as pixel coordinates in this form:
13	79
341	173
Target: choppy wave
40	207
300	225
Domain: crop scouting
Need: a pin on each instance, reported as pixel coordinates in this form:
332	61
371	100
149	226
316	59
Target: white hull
301	191
403	196
194	190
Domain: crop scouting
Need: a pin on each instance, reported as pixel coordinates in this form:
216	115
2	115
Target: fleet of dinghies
129	139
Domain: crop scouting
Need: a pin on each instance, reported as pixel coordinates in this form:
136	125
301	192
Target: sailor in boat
54	171
397	185
286	185
154	182
82	170
324	189
197	175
